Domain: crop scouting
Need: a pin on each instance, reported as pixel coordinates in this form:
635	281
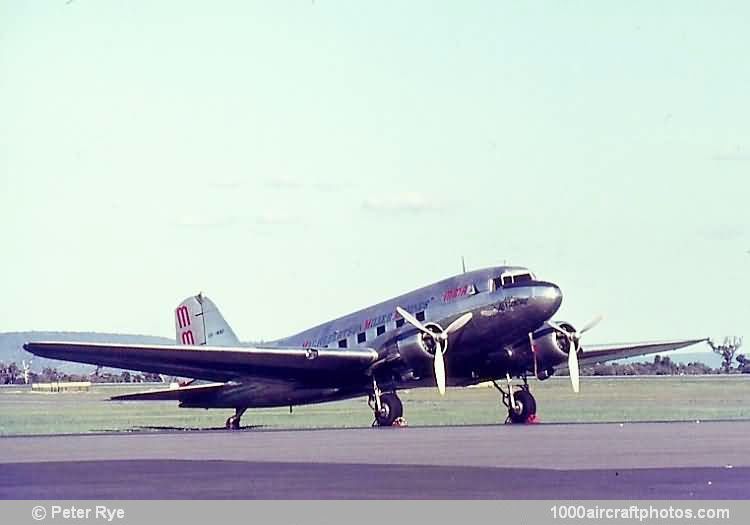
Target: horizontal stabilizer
171	394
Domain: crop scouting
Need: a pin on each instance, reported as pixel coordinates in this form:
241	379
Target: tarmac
697	460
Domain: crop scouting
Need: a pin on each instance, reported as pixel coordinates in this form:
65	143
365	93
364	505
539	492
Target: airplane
491	324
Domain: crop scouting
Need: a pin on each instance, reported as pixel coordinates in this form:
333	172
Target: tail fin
198	321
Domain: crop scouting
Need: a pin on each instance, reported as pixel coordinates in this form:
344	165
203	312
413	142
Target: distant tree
696	368
744	364
50	375
661	365
604	369
12	373
726	350
665	366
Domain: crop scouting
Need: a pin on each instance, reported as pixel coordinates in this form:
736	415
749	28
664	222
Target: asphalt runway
707	460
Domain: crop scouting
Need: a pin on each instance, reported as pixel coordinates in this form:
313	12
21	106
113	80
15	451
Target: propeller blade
591	324
440	369
459	323
412	320
557	327
573	367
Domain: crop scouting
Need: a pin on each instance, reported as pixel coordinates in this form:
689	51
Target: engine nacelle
418	351
551	347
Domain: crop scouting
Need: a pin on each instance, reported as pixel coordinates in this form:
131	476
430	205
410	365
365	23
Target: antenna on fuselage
463	264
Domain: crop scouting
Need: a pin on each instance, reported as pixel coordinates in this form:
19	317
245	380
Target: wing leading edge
213	363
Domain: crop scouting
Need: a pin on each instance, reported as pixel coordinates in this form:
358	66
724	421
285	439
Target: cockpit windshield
512	277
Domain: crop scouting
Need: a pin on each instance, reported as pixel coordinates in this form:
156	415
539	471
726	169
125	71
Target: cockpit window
509	278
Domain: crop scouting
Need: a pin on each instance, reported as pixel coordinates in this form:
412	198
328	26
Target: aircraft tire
526	409
392	409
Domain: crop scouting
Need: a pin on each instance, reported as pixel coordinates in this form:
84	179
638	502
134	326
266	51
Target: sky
297	160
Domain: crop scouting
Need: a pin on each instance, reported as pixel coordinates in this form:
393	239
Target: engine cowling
551	348
418	351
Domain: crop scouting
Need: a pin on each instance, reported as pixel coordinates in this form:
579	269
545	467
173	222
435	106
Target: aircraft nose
548	297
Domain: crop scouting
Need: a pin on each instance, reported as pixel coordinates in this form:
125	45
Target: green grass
600	400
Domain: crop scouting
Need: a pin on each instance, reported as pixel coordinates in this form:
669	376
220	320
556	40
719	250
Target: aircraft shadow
174	429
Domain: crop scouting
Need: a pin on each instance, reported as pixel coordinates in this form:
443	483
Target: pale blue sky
297	160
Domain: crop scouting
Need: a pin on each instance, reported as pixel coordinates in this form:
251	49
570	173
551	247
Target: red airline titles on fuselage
455	293
447	296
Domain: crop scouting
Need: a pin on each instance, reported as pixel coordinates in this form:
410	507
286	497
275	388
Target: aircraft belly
265	394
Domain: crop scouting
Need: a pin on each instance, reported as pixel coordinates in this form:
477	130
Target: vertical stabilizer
198	322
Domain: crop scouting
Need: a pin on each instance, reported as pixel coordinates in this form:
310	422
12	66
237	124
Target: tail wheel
525	407
390	410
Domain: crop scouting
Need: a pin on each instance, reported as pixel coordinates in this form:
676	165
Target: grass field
600	400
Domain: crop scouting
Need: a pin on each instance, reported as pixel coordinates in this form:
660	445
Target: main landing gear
233	423
521	404
387	407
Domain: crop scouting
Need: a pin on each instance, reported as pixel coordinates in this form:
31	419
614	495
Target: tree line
12	374
664	366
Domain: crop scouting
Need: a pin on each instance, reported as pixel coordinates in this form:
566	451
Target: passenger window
361	337
399	322
342	343
381	329
420	316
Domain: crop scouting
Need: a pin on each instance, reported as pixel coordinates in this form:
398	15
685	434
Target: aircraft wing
600	353
213	363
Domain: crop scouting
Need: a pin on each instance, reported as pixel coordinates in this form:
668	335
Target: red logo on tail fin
187	338
183	316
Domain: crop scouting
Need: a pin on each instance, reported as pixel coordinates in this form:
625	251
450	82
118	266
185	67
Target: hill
11	347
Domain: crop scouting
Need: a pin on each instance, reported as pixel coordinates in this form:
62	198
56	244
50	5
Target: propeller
591	324
575	345
440	338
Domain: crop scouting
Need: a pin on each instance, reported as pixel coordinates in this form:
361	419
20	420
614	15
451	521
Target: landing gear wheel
233	423
390	410
525	407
